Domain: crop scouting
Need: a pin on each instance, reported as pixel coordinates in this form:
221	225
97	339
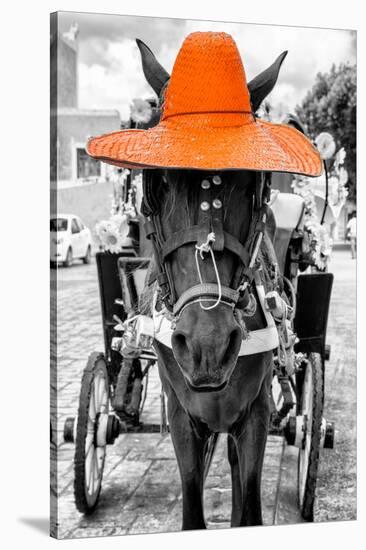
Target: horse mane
146	299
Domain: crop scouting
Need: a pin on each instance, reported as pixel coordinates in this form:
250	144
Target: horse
210	388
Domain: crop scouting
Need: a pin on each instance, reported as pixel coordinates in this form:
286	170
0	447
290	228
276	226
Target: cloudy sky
110	72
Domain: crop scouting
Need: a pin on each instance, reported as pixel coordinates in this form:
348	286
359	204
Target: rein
201	249
209	237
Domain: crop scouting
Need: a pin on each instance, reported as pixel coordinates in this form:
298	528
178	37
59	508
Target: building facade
80	185
72	125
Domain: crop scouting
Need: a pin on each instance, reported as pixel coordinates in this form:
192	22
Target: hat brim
259	146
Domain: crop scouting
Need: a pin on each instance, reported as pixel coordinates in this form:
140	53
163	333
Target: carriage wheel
311	407
90	446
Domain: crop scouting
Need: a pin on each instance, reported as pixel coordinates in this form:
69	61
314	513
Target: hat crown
208	76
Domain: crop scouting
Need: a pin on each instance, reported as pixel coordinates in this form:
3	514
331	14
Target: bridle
209	237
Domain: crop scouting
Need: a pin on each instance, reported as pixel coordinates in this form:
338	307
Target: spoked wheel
311	407
90	443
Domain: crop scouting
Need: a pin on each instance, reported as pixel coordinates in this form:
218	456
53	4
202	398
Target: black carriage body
109	291
117	283
312	308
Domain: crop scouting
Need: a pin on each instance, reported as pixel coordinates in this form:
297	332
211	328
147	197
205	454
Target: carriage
115	382
255	363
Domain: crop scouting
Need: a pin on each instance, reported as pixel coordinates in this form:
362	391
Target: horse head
207	336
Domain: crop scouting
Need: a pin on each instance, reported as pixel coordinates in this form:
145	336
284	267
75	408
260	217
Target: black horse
210	388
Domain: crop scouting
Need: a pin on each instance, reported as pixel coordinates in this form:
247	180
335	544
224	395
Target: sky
110	72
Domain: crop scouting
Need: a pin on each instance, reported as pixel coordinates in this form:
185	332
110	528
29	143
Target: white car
69	239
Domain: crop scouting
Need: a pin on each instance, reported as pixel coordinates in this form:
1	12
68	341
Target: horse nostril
183	347
180	346
233	345
179	340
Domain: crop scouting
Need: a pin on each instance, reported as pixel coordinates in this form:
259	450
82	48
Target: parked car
69	239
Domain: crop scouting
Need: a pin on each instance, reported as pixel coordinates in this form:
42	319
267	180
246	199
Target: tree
330	106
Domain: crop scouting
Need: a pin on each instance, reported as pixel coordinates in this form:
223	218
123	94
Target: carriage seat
288	213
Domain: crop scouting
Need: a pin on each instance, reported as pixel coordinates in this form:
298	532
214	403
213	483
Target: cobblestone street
141	487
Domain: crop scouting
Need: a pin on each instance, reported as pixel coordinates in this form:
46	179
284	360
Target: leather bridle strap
205	290
193	234
198	234
245	273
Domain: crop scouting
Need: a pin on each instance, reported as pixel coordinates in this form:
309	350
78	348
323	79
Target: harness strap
192	234
205	289
150	229
259	185
195	234
244	273
235	246
217	221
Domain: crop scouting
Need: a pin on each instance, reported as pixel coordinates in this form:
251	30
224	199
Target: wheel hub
107	428
113	428
297	429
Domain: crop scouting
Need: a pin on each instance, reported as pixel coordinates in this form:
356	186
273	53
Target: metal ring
205	206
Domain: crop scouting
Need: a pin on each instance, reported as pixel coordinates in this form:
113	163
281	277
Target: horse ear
294	121
264	83
154	73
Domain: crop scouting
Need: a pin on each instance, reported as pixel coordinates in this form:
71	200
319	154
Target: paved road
141	489
337	468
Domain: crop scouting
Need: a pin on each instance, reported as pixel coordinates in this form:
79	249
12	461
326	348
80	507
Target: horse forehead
184	201
189	191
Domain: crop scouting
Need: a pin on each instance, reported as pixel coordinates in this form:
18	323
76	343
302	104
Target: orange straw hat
207	121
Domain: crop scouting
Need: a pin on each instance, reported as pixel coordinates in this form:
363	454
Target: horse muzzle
206	345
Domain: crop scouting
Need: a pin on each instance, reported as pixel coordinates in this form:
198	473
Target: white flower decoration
343	176
340	156
109	236
326	145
